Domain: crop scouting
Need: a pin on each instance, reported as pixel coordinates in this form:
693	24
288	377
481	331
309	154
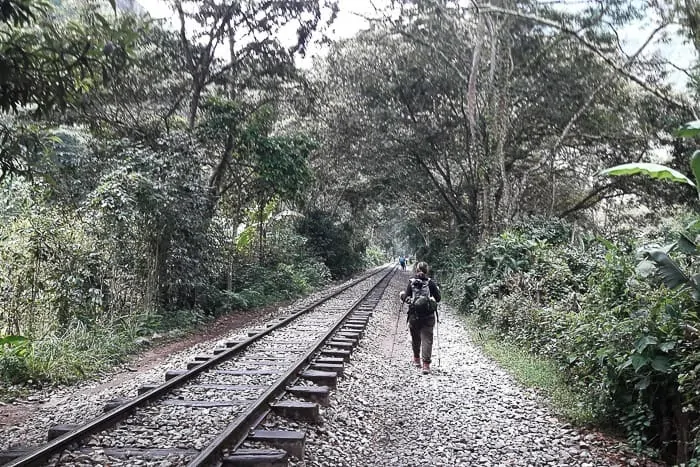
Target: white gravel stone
80	403
384	412
467	412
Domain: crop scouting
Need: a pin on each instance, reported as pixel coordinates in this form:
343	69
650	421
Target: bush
335	243
622	342
258	285
374	257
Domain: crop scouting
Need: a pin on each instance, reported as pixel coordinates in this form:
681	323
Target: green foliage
65	356
538	372
375	257
518	257
282	167
22	12
146	171
624	343
656	171
689	130
13	353
258	286
54	63
24	145
333	242
51	63
257	217
51	273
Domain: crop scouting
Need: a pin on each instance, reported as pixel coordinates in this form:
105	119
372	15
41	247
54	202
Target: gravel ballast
467	412
384	412
83	402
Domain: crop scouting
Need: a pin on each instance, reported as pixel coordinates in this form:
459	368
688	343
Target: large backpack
421	304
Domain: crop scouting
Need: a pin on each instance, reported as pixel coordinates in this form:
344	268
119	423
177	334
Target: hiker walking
422	295
402	262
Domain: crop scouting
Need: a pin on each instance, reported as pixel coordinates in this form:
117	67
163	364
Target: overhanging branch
488	8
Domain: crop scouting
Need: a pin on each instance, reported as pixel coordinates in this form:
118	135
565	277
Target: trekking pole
437	335
393	339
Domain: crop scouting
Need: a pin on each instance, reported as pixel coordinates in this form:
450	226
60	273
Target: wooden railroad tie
318	394
290	441
344	354
256	457
297	410
323	378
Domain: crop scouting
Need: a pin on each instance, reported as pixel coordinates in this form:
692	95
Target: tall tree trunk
473	75
261	232
194	104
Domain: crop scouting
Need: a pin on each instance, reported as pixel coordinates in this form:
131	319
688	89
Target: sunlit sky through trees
351	19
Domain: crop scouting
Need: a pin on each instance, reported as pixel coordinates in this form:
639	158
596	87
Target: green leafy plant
669	270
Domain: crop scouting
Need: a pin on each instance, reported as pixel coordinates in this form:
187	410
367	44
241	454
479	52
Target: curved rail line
237	431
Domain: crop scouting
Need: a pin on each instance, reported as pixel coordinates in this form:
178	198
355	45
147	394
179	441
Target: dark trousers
422	338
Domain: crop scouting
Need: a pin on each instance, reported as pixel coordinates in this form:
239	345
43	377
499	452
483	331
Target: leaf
114	5
669	248
657	171
643	383
693	226
638	361
245	238
645	341
695	290
695	166
686	245
101	19
671	274
645	268
689	130
661	363
666	346
13	340
625	364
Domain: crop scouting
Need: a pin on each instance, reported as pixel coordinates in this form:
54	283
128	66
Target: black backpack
421	304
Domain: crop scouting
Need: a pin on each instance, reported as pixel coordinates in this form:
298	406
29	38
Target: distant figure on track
402	262
422	295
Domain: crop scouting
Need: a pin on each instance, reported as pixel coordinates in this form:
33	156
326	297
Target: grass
67	357
81	351
534	372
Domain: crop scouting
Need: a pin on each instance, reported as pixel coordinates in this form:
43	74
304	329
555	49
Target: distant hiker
402	262
422	295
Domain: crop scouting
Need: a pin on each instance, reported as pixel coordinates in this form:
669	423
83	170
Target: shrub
628	346
333	242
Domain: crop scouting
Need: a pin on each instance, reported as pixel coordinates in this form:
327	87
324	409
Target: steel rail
44	453
236	432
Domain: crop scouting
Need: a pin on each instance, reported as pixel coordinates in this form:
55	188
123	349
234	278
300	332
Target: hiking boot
426	369
416	362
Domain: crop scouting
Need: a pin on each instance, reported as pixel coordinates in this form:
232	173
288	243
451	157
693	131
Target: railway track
207	414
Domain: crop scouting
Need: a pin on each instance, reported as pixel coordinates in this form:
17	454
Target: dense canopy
155	174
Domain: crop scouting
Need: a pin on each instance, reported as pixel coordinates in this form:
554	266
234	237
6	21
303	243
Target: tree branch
586	203
488	8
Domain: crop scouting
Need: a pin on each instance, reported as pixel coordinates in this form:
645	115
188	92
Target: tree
489	113
49	64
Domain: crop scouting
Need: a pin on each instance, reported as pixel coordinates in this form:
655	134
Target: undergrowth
83	349
590	310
